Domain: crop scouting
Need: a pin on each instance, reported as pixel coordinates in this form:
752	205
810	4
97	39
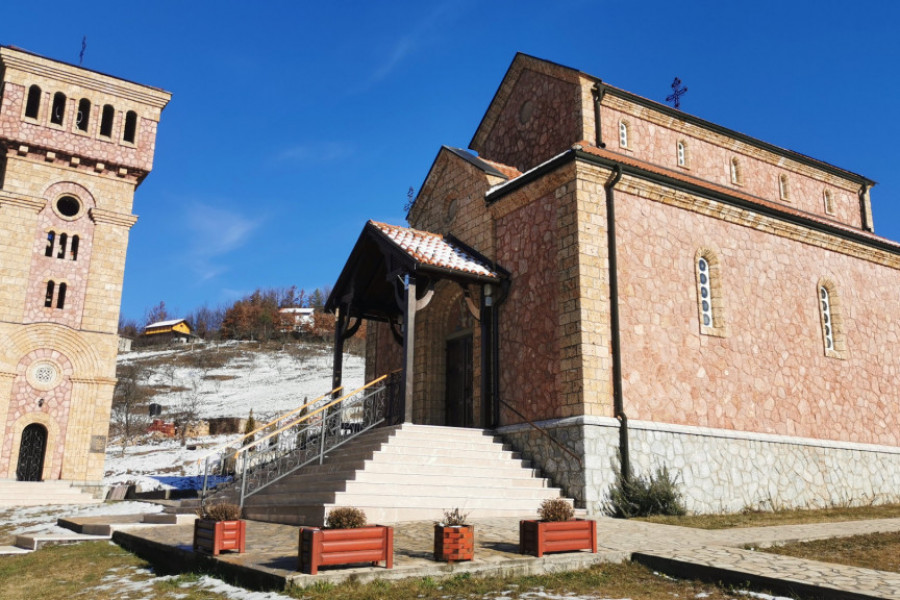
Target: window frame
710	291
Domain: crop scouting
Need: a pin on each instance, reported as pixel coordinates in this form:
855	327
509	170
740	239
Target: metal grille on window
827	324
705	292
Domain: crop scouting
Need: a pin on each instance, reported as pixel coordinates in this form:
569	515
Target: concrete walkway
271	557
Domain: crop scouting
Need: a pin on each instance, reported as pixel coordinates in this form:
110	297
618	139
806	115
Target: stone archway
32	451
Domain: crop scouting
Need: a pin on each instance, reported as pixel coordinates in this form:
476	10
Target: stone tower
74	146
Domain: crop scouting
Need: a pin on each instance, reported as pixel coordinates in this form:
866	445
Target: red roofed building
640	282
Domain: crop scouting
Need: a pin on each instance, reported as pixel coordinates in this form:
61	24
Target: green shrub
639	496
556	509
345	517
251	423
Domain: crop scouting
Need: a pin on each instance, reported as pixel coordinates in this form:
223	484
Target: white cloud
214	233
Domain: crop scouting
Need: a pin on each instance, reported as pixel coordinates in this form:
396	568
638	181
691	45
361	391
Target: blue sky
294	122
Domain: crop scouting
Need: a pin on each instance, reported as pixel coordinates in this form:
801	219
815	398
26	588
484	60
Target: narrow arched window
106	120
48	298
130	126
63	239
58	110
681	154
706	311
61	298
829	202
710	305
623	134
51	237
84	114
33	104
827	323
784	191
73	247
735	171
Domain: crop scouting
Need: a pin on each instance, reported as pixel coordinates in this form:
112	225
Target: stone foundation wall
718	470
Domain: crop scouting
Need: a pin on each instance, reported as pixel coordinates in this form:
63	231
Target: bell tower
74	146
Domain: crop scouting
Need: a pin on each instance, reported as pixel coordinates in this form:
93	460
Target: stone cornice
26	202
14	58
100	215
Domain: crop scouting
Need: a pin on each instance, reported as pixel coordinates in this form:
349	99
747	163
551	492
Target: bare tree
128	402
189	404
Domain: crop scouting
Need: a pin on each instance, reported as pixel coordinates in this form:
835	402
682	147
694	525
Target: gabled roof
170	323
372	279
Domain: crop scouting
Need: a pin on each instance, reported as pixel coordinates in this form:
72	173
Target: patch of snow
42	519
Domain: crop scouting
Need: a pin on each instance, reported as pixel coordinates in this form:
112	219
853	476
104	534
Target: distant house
296	319
176	330
124	343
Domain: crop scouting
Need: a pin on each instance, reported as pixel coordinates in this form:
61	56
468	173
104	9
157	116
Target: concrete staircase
36	493
406	473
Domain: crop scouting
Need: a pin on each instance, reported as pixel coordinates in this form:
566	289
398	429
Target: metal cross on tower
677	93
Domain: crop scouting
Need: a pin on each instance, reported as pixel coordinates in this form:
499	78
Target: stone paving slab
783	574
271	558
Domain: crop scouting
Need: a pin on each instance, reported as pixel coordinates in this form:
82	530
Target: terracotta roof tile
435	250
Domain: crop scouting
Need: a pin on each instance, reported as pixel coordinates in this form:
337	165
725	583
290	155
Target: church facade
74	146
664	289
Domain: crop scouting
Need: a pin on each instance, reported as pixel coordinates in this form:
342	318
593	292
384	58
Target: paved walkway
271	557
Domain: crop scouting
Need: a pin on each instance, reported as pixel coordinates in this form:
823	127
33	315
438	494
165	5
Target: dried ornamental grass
556	509
219	511
345	517
454	518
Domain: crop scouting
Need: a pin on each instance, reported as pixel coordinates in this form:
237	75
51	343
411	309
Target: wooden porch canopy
390	276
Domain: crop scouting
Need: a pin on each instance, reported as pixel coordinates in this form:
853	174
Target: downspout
615	343
598	91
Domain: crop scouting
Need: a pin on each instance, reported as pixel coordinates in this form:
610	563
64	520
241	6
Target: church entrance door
459	382
31	453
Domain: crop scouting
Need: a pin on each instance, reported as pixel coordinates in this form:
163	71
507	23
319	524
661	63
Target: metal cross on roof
677	93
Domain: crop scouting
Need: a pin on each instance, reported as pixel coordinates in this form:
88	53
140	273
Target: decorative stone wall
718	471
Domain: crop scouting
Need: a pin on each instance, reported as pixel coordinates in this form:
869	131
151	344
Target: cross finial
677	93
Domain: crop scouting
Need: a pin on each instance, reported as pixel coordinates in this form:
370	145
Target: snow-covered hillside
224	380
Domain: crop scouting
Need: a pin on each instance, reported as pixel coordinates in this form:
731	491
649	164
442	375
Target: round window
68	206
43	375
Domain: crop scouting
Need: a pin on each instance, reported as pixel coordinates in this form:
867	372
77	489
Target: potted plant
345	539
557	530
454	539
219	527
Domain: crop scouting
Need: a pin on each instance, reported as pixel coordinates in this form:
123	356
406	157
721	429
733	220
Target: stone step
37	493
38	541
419	476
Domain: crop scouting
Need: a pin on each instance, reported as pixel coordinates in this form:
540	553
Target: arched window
73	247
681	154
831	321
63	238
623	134
106	120
829	202
784	191
130	126
58	110
48	299
51	237
84	114
33	104
710	307
736	175
61	298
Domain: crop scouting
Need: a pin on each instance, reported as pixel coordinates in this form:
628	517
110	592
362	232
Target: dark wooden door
31	453
459	382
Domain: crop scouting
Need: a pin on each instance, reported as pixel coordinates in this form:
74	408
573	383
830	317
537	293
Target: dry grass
781	517
879	551
103	571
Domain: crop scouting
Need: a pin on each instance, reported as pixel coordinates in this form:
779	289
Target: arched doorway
31	453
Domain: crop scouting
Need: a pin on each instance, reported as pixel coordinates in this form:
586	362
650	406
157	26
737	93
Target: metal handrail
224	446
303	440
543	432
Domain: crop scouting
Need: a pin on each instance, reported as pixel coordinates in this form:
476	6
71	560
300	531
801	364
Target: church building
601	276
74	146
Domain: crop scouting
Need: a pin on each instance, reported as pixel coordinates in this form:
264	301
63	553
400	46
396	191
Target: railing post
322	438
243	477
205	477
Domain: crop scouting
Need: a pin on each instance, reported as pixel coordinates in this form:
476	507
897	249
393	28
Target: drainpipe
618	404
598	91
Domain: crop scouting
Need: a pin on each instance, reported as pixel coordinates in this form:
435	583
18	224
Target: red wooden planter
320	547
454	543
211	537
540	537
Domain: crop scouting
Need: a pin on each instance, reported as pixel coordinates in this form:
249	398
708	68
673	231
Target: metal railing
303	440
